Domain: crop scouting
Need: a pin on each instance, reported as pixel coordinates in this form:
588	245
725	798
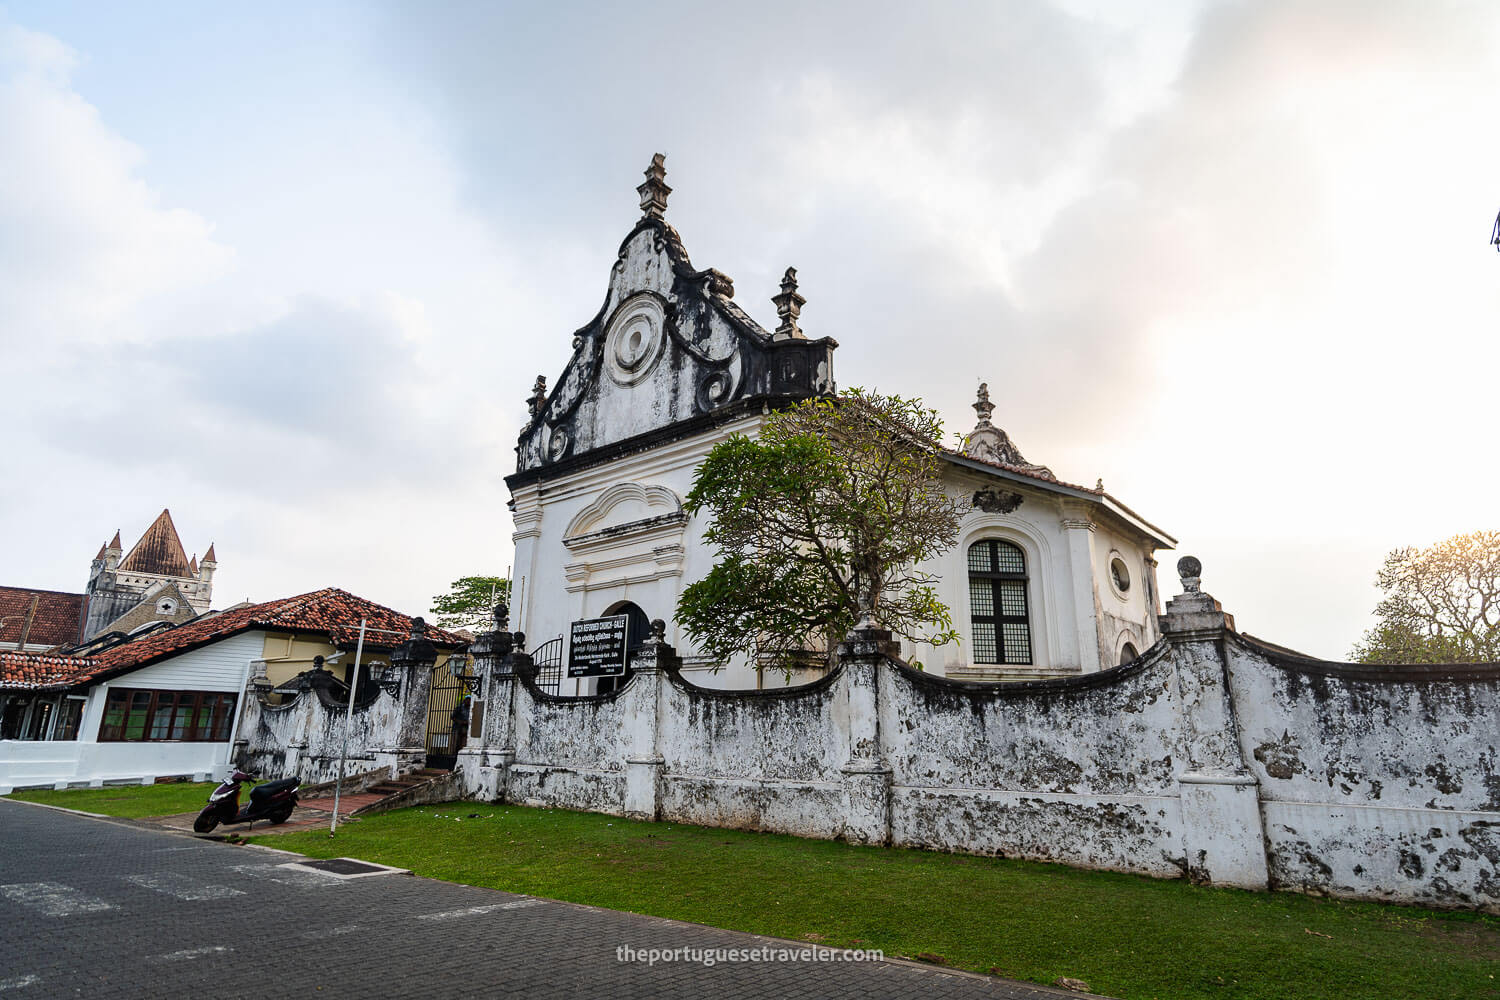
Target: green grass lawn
1125	935
127	801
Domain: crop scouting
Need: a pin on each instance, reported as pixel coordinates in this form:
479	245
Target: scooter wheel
281	816
205	823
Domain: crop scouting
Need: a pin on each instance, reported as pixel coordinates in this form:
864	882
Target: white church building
1048	579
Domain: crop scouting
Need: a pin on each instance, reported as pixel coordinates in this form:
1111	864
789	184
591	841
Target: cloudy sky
290	270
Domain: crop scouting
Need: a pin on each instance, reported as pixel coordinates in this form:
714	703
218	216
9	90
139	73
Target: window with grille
188	716
997	603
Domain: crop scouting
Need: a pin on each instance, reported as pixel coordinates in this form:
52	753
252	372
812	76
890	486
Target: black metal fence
444	738
548	658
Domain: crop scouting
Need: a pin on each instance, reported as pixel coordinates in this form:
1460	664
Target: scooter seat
270	788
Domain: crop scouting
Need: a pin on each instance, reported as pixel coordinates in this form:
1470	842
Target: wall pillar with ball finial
644	700
867	775
1222	832
484	764
413	662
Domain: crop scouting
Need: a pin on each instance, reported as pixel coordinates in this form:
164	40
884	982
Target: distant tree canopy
470	601
1442	604
825	513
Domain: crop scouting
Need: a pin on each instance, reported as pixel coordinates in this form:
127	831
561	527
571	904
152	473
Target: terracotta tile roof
159	550
1102	496
30	671
57	619
330	612
1022	470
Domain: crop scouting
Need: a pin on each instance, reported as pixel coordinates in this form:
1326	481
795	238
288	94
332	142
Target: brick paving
108	909
310	814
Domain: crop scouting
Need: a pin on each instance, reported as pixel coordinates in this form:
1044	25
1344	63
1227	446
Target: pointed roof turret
193	565
208	557
100	556
115	542
159	551
654	192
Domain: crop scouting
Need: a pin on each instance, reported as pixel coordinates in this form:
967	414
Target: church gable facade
155	581
668	349
669	367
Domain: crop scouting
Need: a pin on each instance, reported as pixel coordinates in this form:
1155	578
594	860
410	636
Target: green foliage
1125	935
826	512
1442	604
470	603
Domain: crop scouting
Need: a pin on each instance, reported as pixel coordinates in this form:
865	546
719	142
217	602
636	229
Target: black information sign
596	647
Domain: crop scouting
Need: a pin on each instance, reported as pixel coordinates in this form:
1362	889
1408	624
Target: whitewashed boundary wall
1375	782
1211	757
305	736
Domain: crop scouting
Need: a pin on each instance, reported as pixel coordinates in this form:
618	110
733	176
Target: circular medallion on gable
557	445
634	339
714	390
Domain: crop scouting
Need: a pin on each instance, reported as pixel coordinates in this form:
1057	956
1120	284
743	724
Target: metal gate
548	658
445	737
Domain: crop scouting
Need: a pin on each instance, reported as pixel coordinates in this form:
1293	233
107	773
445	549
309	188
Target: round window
1119	575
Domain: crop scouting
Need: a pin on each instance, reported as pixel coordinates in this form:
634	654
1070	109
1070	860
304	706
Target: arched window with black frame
998	605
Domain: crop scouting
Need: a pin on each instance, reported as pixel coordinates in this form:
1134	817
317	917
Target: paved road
98	908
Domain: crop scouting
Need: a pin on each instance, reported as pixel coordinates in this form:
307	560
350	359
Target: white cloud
1228	256
84	241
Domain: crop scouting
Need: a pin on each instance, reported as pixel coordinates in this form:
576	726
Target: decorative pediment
989	443
626	512
668	345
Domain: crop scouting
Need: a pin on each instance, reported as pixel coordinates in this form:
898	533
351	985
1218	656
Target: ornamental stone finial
789	307
1191	571
983	406
658	631
654	192
538	399
502	616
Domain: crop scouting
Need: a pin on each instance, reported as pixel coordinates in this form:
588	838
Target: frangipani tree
821	519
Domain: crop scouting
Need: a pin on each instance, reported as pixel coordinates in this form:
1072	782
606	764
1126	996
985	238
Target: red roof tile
1021	470
28	671
57	619
159	551
330	612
